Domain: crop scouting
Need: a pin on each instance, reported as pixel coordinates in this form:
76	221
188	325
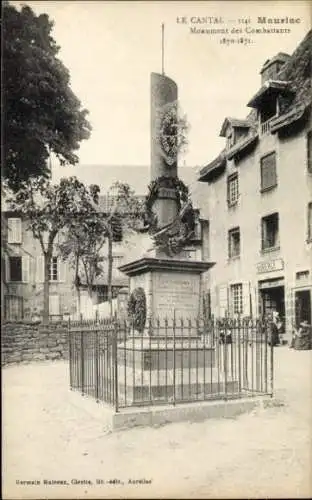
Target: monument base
172	287
167	370
137	387
165	353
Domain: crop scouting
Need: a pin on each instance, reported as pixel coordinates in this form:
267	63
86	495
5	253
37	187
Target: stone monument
151	360
172	282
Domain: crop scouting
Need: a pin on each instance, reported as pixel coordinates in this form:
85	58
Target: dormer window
268	109
230	139
266	101
233	130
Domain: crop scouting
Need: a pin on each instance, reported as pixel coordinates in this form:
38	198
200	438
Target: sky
111	48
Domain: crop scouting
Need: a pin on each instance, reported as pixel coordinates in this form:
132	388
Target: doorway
273	299
303	306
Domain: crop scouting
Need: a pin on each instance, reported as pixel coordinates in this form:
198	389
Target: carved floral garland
137	309
180	188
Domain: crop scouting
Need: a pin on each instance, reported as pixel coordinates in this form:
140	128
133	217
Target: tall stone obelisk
164	94
172	284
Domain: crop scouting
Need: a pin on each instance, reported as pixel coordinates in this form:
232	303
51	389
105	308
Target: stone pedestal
172	287
173	361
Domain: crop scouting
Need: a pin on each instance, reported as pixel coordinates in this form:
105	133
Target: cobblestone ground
266	453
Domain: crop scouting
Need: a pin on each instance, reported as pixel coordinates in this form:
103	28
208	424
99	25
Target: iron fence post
82	360
225	361
115	360
174	360
239	357
271	368
97	364
70	356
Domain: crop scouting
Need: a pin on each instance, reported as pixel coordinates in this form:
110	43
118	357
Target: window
234	242
310	221
15	268
237	298
230	139
302	275
53	272
309	150
268	171
14	230
270	232
117	260
232	189
103	293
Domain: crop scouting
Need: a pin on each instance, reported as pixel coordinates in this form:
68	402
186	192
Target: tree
85	239
49	209
42	115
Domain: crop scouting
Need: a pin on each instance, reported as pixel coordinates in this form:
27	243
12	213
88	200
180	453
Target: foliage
42	114
173	128
87	235
137	309
49	209
182	196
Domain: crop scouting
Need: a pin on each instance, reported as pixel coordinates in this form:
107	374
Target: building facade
24	275
260	199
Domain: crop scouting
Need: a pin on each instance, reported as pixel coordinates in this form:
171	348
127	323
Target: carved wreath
180	188
137	309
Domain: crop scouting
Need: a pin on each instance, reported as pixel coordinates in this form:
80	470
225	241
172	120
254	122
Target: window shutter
18	229
7	269
54	304
246	299
61	269
223	299
40	269
14	230
10	230
268	171
25	269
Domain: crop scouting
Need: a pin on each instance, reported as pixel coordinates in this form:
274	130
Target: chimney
272	67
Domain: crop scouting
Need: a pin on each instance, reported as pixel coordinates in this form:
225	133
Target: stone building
260	198
23	273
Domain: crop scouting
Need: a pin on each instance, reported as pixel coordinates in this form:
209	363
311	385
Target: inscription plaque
176	293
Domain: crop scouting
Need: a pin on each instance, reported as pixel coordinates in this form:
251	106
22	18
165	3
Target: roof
280	57
213	168
294	114
235	123
298	70
294	80
269	87
106	202
242	146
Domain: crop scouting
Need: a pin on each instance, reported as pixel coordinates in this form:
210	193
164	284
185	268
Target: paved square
266	453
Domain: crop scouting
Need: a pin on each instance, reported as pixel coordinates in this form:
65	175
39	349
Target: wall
23	341
290	199
32	288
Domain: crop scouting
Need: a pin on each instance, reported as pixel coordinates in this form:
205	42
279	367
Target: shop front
271	290
272	297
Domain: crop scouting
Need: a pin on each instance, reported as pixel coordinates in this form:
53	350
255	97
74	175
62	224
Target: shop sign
271	283
270	266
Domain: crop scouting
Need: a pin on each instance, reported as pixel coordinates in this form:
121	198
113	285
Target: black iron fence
171	361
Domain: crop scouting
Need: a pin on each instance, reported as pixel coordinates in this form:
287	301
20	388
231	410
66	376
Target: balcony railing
265	127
